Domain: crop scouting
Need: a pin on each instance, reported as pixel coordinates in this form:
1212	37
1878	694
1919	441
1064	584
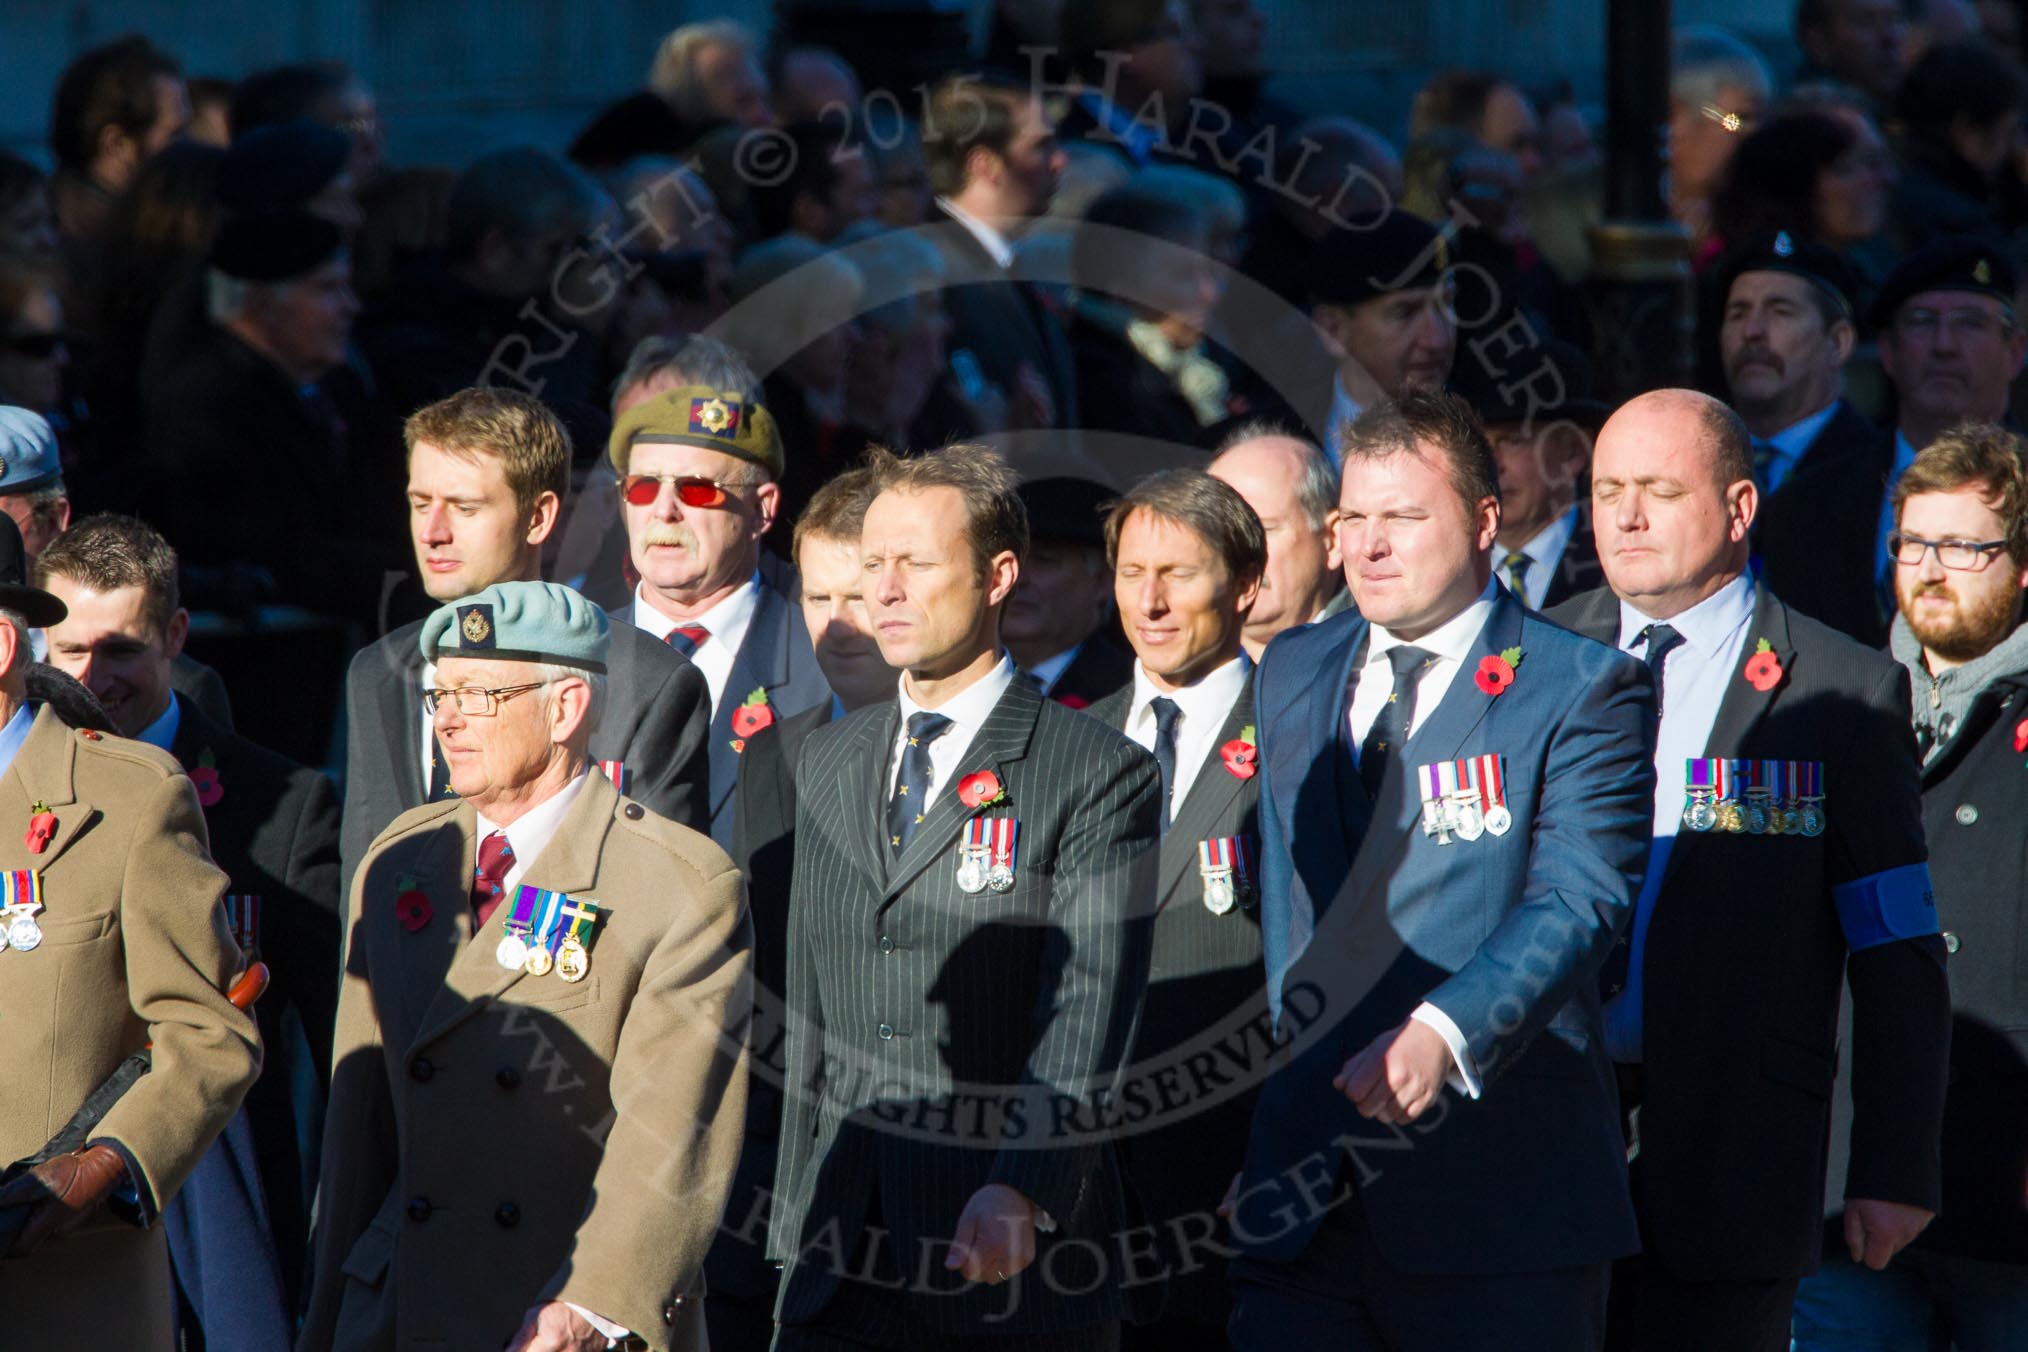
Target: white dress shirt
991	240
1792	442
1695	676
1050	669
1449	643
1342	415
727	621
528	837
1202	711
1545	553
967	711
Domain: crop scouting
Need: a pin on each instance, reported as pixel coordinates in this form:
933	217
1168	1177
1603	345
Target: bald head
1293	490
1673	499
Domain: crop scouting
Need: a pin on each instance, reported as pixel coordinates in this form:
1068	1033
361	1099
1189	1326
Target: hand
1231	1198
62	1192
554	1327
996	1236
1876	1231
1034	406
1399	1075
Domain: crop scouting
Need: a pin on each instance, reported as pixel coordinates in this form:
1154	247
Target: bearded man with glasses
699	478
1961	561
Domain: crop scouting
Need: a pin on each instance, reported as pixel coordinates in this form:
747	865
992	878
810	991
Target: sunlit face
1182	608
115	650
933	614
462	519
841	629
488	756
1415	554
1668	531
688	553
1777	349
1958	614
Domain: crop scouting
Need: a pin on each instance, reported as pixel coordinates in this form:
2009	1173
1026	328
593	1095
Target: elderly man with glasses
699	478
540	1066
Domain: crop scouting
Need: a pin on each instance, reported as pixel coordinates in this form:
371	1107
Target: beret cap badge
714	416
1983	273
476	625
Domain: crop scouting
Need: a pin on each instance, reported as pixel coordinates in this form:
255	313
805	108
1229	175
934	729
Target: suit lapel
1397	805
1212	794
1001	740
862	790
762	661
42	773
1350	806
569	863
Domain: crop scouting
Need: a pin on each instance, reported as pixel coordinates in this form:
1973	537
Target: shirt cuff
1464	1076
614	1333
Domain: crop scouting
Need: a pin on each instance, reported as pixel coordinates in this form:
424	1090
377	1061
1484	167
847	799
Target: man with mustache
1950	343
699	481
1961	562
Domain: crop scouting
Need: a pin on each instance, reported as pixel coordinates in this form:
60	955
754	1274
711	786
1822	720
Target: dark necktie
1517	575
687	638
1660	638
1390	729
489	879
1166	714
440	773
1034	682
905	810
1764	457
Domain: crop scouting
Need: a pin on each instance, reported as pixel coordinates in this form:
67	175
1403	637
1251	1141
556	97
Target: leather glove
60	1192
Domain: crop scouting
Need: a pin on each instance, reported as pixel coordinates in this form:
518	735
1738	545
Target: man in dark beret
248	467
1058	619
1380	297
1951	344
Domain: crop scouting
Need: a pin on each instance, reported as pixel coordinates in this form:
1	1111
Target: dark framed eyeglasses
642	489
475	701
39	346
1960	556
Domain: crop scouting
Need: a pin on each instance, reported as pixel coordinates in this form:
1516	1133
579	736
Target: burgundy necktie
489	880
686	638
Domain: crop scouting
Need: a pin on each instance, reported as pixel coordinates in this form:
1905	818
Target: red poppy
209	790
749	719
412	908
980	788
2021	735
41	827
1073	701
1242	758
1763	670
1494	675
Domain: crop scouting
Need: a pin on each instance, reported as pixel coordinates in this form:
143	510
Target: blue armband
1883	907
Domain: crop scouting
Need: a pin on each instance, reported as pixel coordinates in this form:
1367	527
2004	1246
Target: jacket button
669	1314
1951	944
507	1216
632	811
507	1077
419	1209
886	944
420	1070
886	1031
1967	814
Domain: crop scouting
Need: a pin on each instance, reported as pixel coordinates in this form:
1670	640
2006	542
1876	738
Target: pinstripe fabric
953	1037
1203	1030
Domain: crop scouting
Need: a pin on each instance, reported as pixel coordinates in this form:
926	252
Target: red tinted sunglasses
642	489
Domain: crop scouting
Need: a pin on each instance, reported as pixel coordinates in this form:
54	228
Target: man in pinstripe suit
1187	556
967	948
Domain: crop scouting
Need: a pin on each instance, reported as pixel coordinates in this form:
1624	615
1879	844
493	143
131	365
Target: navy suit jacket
1364	918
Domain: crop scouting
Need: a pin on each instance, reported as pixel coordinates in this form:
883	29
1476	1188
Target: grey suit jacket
654	725
940	1041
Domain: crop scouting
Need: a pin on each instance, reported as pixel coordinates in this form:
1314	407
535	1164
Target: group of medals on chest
988	845
548	932
1464	799
1753	797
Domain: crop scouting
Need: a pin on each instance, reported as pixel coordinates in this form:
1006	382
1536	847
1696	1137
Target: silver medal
1701	815
972	873
23	933
1219	893
1001	878
1471	822
1813	819
512	952
1499	819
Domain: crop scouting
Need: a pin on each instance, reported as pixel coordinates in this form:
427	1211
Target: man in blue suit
1454	818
